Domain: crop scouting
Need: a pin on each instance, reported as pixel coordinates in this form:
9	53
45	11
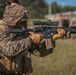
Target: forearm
16	47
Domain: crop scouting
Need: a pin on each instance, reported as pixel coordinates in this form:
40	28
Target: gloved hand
60	34
36	37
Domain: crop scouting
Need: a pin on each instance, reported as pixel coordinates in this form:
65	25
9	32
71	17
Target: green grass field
61	62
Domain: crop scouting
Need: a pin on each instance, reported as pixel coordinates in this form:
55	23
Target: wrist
30	40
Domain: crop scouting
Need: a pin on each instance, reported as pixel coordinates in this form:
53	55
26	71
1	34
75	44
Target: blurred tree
68	8
56	8
36	8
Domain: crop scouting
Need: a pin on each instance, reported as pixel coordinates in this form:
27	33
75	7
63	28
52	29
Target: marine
16	54
73	24
16	16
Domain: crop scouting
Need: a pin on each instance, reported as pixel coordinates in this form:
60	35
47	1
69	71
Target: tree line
58	8
38	8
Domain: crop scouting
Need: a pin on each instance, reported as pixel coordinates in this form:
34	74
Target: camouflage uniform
16	16
14	60
15	55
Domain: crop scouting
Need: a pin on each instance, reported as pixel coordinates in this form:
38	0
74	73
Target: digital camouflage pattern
20	63
15	56
13	48
14	15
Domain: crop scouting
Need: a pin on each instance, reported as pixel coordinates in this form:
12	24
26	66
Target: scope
48	22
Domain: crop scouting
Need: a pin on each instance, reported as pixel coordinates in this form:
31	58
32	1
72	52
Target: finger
31	32
41	35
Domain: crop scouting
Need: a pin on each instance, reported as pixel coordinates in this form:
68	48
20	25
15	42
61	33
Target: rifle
47	28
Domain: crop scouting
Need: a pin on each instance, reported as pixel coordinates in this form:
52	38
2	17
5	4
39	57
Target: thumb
31	33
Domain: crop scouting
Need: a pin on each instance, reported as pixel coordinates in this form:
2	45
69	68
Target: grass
61	62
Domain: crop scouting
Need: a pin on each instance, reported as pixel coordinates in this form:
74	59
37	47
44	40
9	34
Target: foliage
58	9
36	8
69	8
